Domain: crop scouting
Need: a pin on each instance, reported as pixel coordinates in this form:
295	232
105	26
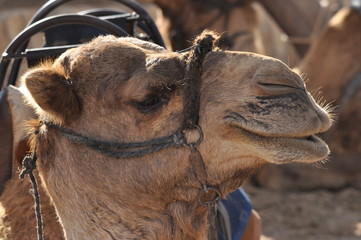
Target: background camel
253	110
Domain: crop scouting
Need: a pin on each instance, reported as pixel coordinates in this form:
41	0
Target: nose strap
204	44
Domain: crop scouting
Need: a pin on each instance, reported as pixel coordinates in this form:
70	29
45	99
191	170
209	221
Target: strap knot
179	138
29	164
206	41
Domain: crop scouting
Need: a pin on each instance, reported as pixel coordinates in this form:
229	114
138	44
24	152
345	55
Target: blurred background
319	39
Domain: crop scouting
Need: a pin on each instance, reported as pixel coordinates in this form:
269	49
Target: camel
253	110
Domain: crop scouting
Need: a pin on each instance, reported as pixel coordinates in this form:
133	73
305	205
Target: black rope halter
121	149
29	164
204	44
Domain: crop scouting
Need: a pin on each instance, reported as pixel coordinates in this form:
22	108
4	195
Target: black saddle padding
6	139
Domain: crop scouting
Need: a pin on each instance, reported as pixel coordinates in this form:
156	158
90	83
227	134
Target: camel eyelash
163	89
157	97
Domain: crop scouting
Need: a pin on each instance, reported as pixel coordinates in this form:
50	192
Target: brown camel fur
253	110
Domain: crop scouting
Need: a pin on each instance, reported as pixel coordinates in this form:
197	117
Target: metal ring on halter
211	202
194	144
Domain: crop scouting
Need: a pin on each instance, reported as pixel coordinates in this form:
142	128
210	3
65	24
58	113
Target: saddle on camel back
60	33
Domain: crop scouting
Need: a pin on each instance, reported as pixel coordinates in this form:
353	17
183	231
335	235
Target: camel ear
53	93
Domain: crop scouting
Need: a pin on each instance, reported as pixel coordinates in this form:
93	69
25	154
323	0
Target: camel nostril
276	85
275	88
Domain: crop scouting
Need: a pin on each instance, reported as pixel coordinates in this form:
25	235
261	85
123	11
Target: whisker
322	164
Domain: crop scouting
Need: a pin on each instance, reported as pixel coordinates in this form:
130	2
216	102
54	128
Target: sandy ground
316	215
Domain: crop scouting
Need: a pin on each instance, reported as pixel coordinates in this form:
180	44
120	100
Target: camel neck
98	197
148	198
135	219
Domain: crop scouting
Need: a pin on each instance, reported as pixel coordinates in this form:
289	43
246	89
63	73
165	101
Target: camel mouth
313	138
311	146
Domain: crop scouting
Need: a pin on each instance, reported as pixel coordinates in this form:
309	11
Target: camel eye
151	103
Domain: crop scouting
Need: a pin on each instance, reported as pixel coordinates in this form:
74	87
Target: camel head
253	110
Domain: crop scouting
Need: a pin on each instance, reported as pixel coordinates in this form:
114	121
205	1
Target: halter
208	196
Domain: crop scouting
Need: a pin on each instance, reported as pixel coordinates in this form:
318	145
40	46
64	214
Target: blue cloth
233	215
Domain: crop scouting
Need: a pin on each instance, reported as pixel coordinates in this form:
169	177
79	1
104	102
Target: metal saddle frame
70	30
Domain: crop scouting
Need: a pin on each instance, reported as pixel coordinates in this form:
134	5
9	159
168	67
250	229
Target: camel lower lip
315	147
